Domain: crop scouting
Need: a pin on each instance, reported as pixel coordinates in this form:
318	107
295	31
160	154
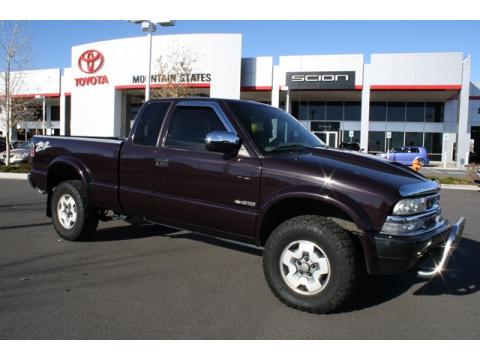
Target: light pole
43	111
150	27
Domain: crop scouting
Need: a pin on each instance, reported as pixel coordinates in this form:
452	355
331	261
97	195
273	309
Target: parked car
406	154
20	153
249	173
353	146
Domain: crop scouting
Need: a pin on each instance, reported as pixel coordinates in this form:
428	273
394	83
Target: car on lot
250	173
405	155
19	153
353	146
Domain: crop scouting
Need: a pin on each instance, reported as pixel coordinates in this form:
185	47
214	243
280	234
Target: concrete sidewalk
13	176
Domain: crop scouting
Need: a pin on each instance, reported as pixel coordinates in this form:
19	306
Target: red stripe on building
157	86
256	88
415	87
68	94
29	96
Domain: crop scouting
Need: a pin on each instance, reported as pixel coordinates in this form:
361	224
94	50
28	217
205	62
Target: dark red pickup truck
251	173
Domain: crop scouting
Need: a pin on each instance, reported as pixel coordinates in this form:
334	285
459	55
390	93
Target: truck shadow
143	230
461	278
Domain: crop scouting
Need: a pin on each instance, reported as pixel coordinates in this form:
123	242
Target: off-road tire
339	248
86	212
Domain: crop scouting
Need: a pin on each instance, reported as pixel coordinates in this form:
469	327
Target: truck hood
363	184
356	170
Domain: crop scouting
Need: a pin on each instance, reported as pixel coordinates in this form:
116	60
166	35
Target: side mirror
222	142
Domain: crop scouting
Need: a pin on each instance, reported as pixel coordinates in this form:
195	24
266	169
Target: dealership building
380	101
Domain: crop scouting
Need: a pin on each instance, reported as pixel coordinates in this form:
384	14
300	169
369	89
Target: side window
190	125
151	120
414	150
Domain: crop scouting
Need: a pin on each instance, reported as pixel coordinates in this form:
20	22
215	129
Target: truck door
206	190
137	161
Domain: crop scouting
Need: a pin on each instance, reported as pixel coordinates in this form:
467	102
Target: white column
62	114
287	102
276	87
463	138
365	112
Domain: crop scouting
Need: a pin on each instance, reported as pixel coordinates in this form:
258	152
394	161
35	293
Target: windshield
272	129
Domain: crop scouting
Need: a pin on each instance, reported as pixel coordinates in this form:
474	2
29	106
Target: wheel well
61	173
290	208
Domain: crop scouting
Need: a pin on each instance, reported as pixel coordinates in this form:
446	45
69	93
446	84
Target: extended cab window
189	127
151	120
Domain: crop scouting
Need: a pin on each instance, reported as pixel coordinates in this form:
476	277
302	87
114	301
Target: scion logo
90	61
321	80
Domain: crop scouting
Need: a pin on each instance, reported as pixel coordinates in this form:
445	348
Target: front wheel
75	217
311	263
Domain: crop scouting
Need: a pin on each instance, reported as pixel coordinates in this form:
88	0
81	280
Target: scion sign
331	80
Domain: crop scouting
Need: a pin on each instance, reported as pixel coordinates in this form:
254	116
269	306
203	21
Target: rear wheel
421	161
75	217
310	263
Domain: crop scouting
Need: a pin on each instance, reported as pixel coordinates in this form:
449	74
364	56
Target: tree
174	71
14	47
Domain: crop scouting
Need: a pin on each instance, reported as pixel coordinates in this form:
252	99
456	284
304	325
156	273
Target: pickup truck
247	172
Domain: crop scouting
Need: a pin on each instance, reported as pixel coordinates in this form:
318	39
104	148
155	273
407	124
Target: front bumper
399	254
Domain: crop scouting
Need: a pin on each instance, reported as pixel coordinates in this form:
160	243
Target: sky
51	41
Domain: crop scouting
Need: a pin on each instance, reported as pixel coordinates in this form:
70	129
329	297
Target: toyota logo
90	61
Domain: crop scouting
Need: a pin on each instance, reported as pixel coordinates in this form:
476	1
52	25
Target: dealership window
434	112
433	144
378	111
316	110
413	139
334	110
151	120
190	125
396	111
353	111
55	113
347	138
416	111
376	141
396	140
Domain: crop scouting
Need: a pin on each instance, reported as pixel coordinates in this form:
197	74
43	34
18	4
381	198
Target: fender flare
346	204
73	163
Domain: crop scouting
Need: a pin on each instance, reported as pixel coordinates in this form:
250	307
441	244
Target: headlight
410	206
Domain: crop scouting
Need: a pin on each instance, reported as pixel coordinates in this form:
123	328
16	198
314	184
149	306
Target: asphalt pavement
153	282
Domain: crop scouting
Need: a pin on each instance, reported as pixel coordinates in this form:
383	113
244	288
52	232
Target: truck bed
96	157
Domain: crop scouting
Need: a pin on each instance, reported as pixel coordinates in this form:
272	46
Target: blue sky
52	40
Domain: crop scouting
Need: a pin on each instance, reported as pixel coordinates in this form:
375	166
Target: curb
13	176
460	187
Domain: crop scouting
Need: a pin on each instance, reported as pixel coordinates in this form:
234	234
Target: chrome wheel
305	267
67	211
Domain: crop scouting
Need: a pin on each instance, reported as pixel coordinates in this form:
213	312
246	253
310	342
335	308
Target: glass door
330	138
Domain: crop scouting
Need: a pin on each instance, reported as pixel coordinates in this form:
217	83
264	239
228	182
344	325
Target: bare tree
174	72
14	49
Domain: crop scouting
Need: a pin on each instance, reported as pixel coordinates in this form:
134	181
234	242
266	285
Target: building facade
420	99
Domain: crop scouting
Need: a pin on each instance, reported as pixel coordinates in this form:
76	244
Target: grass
22	168
451	180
